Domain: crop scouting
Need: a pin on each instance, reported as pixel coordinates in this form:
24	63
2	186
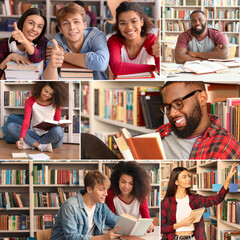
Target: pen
21	143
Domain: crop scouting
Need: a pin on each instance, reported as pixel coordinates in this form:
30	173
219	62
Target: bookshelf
223	15
197	170
72	111
36	170
99	124
99	7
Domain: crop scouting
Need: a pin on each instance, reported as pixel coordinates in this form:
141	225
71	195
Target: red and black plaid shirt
37	56
169	208
215	143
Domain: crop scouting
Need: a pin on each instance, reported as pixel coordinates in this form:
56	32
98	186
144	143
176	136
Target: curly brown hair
60	92
133	6
141	179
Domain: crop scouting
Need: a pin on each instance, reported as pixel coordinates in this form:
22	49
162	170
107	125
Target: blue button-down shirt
72	220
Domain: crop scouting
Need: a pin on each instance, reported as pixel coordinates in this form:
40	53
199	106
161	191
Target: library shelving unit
37	171
100	124
224	16
97	6
197	168
72	111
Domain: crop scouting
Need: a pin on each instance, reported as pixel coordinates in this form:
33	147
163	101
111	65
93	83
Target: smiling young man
76	44
83	217
191	133
200	42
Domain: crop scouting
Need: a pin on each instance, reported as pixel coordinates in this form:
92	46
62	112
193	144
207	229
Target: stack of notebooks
69	71
16	71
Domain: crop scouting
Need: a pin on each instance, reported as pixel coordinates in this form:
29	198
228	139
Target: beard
200	31
192	123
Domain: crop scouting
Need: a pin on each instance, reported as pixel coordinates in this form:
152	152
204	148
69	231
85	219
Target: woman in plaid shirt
179	202
28	43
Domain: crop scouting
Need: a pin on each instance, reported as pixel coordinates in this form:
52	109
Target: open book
136	75
132	226
48	124
202	67
197	213
146	146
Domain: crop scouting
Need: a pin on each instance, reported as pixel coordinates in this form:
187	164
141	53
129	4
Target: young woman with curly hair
133	49
130	185
45	103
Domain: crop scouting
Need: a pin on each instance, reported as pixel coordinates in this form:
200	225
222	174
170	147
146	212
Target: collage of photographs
120	120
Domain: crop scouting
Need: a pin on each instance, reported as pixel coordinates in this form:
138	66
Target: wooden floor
65	152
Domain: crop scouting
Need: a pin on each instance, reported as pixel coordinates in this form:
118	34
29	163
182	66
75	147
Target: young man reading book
76	44
83	217
191	132
200	42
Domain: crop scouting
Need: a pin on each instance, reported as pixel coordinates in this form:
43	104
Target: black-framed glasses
176	104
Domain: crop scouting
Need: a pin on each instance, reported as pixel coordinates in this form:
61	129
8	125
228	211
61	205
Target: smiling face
198	22
183	180
46	93
98	193
125	184
185	122
130	25
32	27
72	27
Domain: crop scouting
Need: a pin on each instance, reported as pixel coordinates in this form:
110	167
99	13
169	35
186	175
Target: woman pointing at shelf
176	224
44	104
28	43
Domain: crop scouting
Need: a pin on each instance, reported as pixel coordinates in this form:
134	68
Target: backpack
12	118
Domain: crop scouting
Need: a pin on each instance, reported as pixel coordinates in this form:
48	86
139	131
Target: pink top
36	113
143	207
121	63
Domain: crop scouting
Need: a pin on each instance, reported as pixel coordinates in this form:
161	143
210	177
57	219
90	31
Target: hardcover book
48	124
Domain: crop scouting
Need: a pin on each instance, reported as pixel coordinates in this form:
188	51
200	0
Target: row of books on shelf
14	222
85	127
211	230
154	198
230	210
11	7
181	3
226	26
206	179
16	98
45	199
43	175
85	99
138	106
229	235
45	221
13	177
177	26
207	3
6	25
10	200
171	12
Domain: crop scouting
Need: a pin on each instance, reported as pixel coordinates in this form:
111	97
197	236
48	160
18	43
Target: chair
43	234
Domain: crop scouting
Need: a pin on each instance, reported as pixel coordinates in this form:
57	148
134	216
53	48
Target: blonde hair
70	8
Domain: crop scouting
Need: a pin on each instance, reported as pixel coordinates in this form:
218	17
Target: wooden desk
232	74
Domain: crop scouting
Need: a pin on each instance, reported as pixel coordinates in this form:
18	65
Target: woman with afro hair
130	185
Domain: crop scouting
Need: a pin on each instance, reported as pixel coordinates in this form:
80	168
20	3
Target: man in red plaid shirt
191	133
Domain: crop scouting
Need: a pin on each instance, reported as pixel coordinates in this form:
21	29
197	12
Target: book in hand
48	124
136	75
203	67
197	213
71	71
146	146
132	226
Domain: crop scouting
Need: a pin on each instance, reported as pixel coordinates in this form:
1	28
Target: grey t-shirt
177	148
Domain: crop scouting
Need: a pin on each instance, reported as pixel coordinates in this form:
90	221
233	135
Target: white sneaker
45	147
26	146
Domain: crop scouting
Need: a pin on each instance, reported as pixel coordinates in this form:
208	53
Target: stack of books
72	72
16	71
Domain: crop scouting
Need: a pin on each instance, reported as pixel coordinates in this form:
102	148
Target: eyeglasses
176	104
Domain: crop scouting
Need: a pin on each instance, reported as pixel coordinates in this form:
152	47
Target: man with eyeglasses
200	42
191	133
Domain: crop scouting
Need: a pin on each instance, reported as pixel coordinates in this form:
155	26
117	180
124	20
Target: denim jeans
54	135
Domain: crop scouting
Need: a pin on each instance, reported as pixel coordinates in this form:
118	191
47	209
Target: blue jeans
54	135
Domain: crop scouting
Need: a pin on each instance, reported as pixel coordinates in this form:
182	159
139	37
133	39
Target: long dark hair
132	6
141	179
172	187
32	11
60	92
